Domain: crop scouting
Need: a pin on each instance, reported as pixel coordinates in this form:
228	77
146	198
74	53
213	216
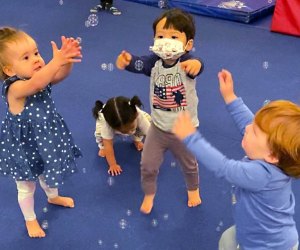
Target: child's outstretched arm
123	60
226	86
241	117
183	126
114	168
67	54
65	70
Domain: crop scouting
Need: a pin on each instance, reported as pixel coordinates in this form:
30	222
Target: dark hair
179	20
118	111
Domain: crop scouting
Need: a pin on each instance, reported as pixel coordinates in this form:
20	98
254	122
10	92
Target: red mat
286	18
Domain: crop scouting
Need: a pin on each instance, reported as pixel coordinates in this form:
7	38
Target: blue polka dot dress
36	141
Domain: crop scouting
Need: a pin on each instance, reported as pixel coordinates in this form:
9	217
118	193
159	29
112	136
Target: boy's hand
226	86
70	51
191	67
183	126
123	60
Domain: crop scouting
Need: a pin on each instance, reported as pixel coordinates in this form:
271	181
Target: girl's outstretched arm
61	57
114	168
65	70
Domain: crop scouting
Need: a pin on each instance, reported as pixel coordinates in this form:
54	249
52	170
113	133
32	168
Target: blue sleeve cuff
234	104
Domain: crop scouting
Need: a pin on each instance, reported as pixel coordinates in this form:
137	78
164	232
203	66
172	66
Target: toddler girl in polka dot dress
35	142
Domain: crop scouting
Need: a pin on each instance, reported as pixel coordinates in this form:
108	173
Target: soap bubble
93	19
123	224
110	66
266	102
265	65
110	181
154	223
104	66
45	224
129	212
162	4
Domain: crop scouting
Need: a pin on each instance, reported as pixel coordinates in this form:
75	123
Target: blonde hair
280	120
7	35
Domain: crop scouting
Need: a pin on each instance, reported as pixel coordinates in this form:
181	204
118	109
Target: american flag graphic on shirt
169	97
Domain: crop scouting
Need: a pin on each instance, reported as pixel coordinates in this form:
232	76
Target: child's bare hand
191	67
183	126
139	145
114	170
226	86
123	60
70	51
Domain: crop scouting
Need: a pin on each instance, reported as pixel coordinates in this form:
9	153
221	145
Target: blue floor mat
241	11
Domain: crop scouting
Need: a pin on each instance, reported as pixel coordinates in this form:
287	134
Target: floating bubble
173	164
154	223
84	170
129	212
87	23
116	245
218	229
221	224
139	65
110	181
266	102
100	242
45	224
45	209
123	224
79	40
265	65
162	4
110	66
166	216
61	2
193	49
93	19
104	66
270	1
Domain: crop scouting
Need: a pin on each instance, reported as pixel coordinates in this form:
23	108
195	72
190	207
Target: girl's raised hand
70	51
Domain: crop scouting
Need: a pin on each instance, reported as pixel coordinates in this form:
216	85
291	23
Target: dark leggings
156	144
104	2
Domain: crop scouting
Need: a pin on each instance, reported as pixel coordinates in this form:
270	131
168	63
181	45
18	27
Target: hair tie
102	108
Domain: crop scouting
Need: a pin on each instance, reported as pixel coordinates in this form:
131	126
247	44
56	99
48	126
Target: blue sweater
265	203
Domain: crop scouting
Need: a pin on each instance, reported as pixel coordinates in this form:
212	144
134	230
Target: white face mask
167	48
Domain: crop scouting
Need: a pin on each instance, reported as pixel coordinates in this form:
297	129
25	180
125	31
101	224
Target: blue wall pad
244	11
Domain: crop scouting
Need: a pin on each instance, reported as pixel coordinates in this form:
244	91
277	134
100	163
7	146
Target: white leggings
26	191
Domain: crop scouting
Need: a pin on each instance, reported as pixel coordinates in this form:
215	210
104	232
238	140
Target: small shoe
96	9
115	11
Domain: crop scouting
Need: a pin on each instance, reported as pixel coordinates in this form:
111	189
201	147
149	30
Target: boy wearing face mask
172	89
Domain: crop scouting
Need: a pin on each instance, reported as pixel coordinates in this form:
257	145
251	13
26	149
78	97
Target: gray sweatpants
156	144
